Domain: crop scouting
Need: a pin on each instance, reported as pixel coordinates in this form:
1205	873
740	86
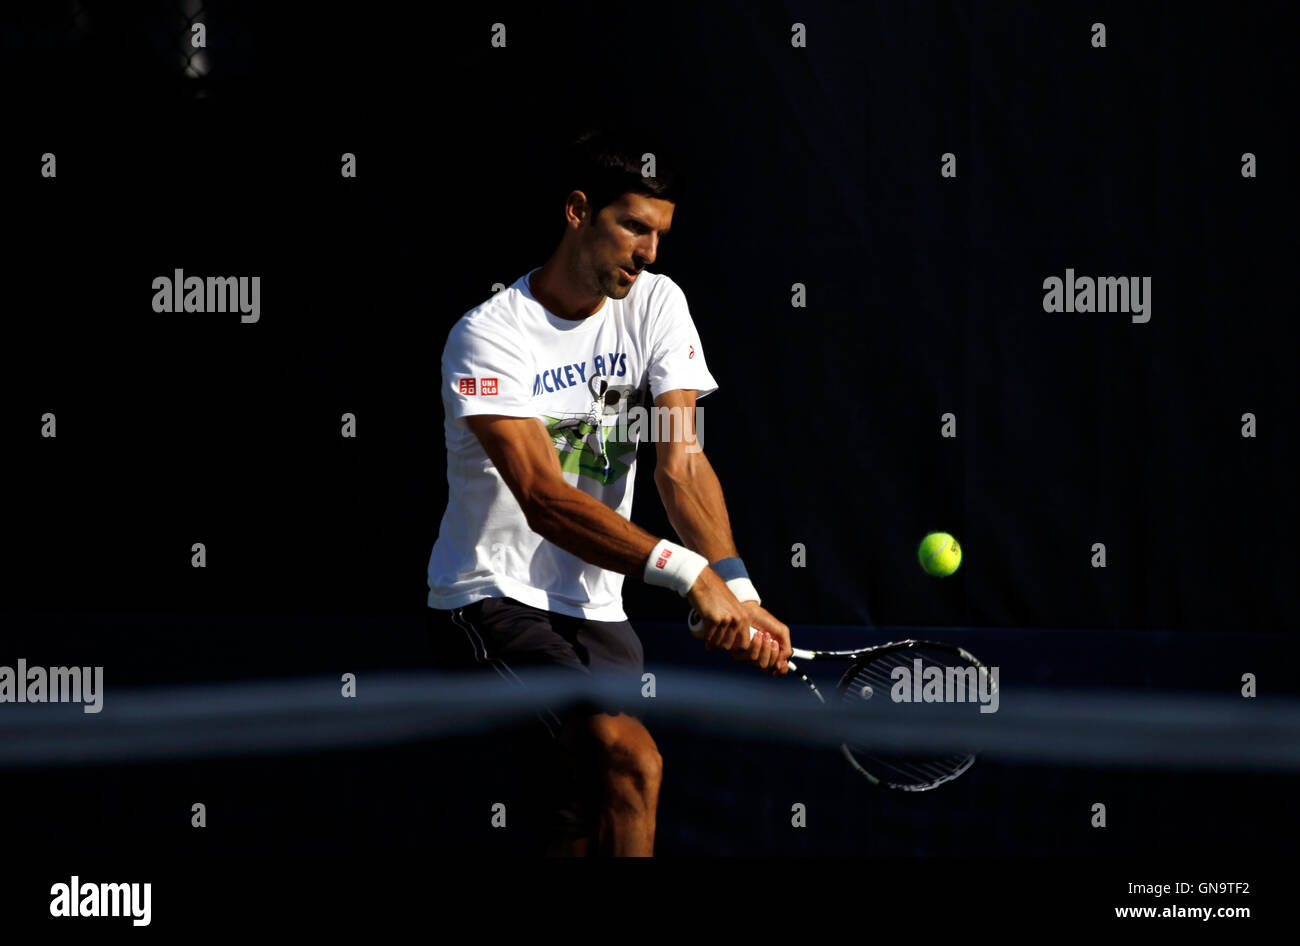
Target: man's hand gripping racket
752	636
745	630
865	691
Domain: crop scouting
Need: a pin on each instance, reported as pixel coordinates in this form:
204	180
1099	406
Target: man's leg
567	847
621	765
625	764
610	767
505	641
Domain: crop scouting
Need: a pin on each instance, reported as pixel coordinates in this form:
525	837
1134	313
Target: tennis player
527	571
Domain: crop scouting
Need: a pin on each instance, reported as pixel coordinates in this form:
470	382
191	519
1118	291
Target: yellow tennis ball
939	554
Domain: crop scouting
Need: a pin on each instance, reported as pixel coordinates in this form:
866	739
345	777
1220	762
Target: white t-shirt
511	356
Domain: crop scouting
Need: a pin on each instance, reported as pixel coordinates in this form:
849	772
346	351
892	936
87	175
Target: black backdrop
817	166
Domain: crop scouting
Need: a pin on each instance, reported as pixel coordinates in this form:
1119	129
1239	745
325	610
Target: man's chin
616	290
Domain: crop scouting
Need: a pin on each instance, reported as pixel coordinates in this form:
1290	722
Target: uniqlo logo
487	386
663	559
466	385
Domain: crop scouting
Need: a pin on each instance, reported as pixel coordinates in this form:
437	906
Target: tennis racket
865	689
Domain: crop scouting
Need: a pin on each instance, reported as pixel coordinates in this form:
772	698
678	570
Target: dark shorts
513	640
505	634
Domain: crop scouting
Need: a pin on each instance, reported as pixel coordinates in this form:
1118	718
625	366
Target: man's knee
625	747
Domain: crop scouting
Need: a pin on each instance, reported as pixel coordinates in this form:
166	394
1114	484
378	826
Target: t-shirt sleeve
485	372
676	355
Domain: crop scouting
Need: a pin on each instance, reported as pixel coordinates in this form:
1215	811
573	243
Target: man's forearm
692	497
584	526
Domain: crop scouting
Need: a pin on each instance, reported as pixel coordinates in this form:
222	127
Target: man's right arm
564	515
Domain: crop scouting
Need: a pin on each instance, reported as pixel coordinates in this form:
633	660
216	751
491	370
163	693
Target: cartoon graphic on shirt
588	443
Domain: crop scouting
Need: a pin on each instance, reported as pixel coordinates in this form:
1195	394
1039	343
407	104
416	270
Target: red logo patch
663	559
466	385
692	354
487	386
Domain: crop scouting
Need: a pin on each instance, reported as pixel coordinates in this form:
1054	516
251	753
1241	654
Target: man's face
623	240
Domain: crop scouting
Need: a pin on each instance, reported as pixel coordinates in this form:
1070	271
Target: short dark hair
605	163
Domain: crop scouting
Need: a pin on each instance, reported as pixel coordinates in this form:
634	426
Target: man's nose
645	254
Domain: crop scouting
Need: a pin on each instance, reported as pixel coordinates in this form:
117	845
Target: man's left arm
692	497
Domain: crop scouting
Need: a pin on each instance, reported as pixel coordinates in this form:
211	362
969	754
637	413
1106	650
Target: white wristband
744	590
674	566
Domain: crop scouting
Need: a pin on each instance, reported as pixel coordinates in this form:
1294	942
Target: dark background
818	166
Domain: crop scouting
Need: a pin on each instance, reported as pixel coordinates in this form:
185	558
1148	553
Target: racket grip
696	624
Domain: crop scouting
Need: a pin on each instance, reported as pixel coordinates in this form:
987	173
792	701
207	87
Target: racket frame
862	656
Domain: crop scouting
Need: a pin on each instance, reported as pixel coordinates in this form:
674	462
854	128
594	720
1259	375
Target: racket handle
696	624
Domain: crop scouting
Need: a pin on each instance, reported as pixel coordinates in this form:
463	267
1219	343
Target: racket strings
919	772
907	770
